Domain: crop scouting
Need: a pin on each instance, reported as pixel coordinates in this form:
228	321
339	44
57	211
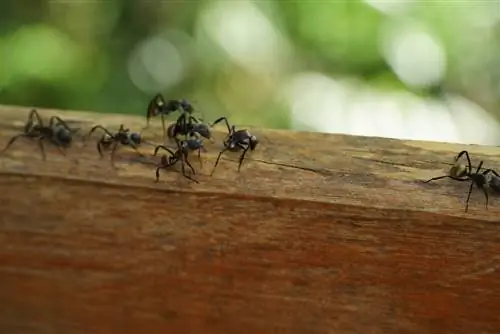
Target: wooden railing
351	241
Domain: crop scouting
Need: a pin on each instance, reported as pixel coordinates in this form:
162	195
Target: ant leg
184	171
438	178
61	150
479	167
12	140
468	197
193	119
113	151
157	148
486	196
42	149
469	165
225	121
182	126
217	161
134	146
163	126
99	147
158	174
95	127
199	158
185	158
448	176
150	113
491	171
245	150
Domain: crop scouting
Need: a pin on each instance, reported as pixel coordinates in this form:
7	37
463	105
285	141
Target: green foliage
77	55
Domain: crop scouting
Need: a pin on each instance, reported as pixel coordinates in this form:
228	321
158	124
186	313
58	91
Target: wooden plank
359	245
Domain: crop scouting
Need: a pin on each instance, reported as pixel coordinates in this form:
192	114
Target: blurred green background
397	68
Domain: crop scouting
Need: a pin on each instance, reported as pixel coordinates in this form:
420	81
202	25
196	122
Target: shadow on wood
359	245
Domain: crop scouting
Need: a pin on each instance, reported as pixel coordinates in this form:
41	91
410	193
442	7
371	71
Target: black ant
121	137
236	141
189	126
57	132
158	106
463	172
181	154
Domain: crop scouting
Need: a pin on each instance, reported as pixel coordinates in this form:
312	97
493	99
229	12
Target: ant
158	106
463	172
57	132
189	126
121	137
183	149
236	140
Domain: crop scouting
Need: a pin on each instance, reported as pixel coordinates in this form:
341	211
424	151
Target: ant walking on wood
159	106
122	137
181	154
57	133
482	180
236	140
186	124
189	126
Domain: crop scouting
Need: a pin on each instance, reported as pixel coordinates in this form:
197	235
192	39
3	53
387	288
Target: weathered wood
361	246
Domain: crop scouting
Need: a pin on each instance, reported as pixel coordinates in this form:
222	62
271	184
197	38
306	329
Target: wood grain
359	245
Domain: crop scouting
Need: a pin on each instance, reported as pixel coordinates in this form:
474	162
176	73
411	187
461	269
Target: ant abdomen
171	131
64	136
459	170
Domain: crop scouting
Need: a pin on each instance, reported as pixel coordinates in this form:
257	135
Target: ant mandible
181	154
57	132
236	140
463	172
121	137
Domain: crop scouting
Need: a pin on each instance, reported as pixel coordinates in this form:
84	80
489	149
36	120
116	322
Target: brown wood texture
360	245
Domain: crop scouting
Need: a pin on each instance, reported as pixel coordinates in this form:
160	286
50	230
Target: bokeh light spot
416	57
155	65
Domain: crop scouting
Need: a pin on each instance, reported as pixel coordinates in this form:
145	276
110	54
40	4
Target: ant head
155	106
135	138
253	142
158	100
231	144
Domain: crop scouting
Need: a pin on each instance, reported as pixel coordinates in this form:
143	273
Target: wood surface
355	244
